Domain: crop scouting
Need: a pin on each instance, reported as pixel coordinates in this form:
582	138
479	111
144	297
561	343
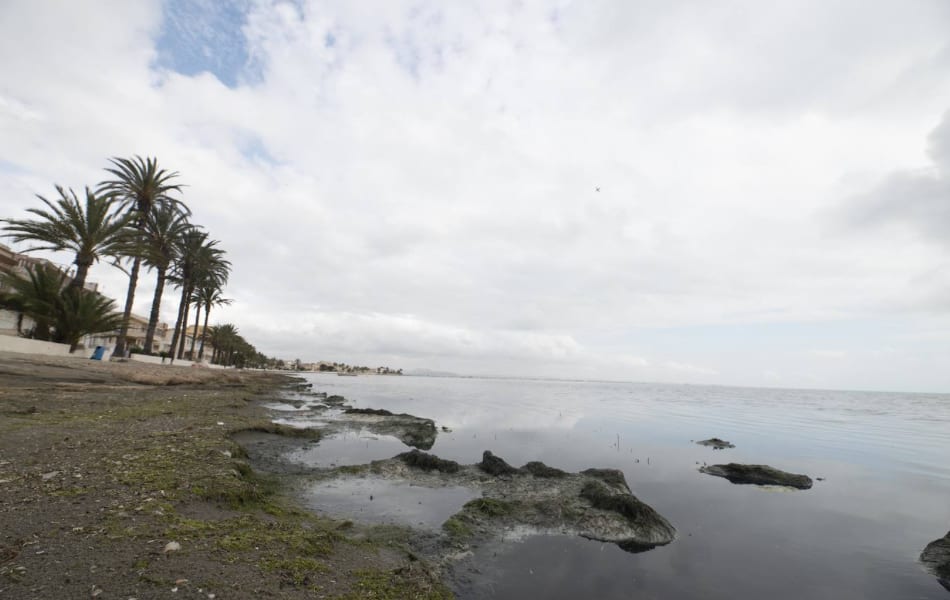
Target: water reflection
376	500
561	567
347	448
855	535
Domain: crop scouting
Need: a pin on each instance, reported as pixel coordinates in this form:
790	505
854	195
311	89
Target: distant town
332	367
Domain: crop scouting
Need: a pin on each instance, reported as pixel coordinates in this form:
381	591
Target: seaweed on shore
428	462
490	507
758	475
284	430
456	527
613	477
382	412
539	469
600	496
494	465
411	430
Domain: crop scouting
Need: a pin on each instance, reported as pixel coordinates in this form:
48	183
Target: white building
13	323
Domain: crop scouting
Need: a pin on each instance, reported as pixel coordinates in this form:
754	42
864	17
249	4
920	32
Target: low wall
157	360
11	343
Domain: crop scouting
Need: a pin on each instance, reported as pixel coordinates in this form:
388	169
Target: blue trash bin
99	353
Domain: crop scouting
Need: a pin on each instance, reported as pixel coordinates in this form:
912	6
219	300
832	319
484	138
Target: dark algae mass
494	465
551	500
428	462
413	431
758	475
716	443
936	558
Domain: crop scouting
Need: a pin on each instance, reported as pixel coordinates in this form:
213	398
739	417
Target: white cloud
405	182
689	369
829	354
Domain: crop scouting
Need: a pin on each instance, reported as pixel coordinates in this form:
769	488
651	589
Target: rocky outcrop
428	462
494	465
411	430
612	477
596	504
936	558
539	469
716	444
758	475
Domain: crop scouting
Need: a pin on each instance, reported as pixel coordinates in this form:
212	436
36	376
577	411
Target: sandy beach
120	480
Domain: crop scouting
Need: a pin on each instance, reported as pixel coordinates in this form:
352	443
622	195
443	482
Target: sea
880	461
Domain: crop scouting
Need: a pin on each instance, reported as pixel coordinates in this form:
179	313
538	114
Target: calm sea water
885	460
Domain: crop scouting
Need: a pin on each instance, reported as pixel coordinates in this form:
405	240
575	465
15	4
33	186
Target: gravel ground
120	480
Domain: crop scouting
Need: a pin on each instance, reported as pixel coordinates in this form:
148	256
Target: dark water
885	459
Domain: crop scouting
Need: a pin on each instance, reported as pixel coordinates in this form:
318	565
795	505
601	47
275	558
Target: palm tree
213	336
36	295
81	313
140	186
199	260
208	295
226	340
165	227
13	304
211	270
89	231
221	338
62	312
182	273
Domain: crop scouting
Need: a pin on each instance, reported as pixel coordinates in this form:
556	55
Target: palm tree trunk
204	332
129	298
41	331
185	298
156	305
181	307
194	338
79	281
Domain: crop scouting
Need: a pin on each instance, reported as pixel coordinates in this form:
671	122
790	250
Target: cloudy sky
730	192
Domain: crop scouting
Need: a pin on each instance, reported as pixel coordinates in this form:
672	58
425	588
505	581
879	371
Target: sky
737	192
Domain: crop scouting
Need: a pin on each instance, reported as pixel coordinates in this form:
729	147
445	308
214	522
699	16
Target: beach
120	480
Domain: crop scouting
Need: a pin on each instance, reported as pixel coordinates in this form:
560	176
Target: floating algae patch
346	449
380	500
758	475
